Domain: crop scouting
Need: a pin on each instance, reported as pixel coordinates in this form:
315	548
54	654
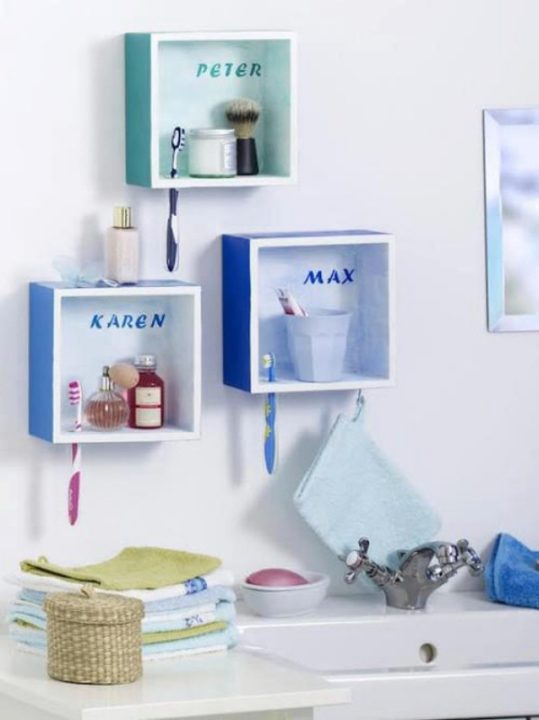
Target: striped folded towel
212	595
48	584
29	614
191	641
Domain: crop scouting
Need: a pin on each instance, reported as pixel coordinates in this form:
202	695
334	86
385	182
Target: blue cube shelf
350	270
74	332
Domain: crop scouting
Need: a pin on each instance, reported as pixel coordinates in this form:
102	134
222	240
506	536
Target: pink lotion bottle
147	398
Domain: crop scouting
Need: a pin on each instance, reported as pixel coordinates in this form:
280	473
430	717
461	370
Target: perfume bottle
122	249
106	409
147	398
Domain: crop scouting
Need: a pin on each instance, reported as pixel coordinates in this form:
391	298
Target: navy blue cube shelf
350	270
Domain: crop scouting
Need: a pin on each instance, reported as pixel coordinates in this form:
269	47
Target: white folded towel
43	583
25	612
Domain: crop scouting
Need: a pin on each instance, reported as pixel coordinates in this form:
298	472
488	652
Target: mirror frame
493	121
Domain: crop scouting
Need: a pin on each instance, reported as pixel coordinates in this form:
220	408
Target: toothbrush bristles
74	392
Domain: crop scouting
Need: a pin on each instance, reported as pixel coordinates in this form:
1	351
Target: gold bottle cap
122	217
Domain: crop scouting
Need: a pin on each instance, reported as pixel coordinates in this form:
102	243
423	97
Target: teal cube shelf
186	79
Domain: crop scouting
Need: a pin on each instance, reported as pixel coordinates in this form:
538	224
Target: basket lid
92	608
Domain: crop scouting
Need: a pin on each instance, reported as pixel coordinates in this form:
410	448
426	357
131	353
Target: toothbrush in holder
173	238
75	398
270	416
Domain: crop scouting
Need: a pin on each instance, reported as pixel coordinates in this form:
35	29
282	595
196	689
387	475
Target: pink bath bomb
275	577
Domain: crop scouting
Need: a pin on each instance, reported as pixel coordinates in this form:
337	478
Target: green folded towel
154	637
135	568
171	635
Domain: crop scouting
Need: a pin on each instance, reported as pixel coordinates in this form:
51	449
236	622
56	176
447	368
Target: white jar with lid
212	153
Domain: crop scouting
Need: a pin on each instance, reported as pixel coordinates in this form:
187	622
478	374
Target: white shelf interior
91	435
368	361
233	182
192	98
288	382
83	350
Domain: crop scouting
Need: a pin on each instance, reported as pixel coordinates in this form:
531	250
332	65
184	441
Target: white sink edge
371	608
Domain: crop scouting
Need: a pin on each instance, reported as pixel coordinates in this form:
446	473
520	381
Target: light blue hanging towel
352	490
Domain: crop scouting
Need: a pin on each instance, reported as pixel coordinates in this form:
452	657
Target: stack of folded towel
188	599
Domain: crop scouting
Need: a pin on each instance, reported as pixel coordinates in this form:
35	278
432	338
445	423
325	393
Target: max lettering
316	277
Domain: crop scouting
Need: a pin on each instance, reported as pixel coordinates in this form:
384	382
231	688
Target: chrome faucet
420	572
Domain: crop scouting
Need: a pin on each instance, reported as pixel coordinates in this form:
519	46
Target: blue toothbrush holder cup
317	344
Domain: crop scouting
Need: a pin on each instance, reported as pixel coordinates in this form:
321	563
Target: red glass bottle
147	398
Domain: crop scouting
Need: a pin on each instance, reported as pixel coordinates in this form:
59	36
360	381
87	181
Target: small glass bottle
147	398
122	249
106	409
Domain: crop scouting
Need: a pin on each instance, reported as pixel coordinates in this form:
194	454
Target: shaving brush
243	115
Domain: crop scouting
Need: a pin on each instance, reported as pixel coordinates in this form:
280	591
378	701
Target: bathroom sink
457	630
461	657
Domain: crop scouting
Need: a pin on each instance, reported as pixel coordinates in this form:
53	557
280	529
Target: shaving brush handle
246	156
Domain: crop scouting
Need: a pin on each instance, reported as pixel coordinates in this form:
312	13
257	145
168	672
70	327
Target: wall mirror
511	146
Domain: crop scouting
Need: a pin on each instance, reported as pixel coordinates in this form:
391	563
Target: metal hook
360	402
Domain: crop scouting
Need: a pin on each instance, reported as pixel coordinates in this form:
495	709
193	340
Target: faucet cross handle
470	558
356	559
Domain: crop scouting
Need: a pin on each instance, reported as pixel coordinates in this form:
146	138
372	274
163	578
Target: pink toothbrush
289	303
75	398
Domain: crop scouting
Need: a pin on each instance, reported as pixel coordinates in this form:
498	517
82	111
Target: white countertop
230	682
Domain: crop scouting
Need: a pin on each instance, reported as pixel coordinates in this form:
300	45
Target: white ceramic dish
271	601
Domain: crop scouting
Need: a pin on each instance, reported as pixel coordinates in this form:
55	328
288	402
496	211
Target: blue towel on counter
152	622
28	636
510	575
227	638
352	490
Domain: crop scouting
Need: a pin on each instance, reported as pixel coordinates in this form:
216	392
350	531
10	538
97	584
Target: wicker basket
94	638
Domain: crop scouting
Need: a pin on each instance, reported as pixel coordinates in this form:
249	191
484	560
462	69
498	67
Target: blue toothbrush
270	413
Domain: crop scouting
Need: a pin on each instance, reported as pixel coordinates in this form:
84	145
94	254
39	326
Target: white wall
391	94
